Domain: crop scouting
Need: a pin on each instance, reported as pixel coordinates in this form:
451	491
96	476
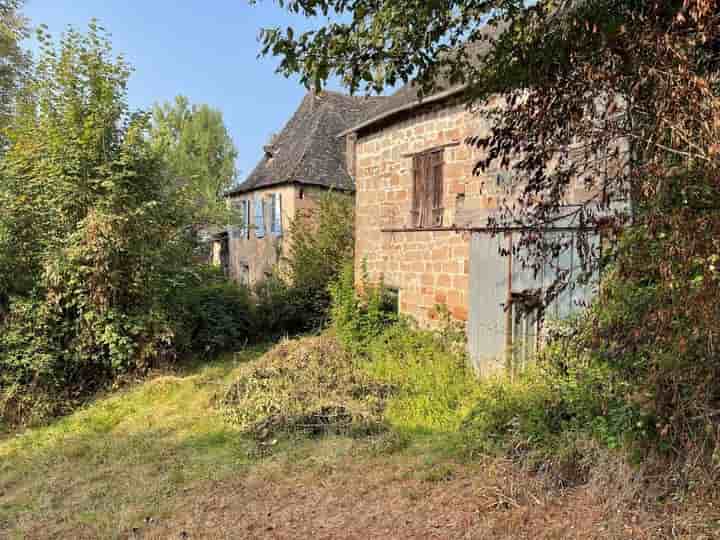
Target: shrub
50	362
280	309
566	397
212	314
430	369
97	236
321	240
359	318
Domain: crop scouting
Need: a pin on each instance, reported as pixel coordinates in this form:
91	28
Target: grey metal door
502	326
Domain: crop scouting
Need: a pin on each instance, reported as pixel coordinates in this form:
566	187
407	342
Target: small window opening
392	300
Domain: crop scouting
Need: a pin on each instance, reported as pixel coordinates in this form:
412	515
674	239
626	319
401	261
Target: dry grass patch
309	387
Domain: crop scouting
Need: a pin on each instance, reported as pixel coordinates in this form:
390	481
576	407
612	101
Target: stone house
421	217
299	165
421	213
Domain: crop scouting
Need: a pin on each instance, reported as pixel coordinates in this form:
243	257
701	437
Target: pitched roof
409	96
308	150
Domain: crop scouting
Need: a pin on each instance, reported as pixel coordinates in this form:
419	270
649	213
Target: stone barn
421	219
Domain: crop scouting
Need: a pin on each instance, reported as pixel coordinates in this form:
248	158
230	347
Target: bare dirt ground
382	501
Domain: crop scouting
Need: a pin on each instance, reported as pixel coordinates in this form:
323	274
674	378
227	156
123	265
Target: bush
49	362
429	368
322	240
565	398
359	318
431	371
280	309
654	326
94	240
212	314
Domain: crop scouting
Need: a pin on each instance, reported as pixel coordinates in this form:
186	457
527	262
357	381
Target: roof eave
239	191
407	107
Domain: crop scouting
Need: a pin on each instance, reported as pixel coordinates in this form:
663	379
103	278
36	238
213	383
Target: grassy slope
160	459
103	470
123	456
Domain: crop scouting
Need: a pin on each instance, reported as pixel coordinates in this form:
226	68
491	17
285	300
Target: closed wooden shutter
418	190
438	187
428	187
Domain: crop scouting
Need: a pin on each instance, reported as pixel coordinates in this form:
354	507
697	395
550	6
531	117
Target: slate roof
308	150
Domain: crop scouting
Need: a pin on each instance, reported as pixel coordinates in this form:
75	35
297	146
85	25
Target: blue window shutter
243	210
246	218
277	214
259	218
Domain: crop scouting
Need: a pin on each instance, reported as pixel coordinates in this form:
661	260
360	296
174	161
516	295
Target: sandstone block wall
427	267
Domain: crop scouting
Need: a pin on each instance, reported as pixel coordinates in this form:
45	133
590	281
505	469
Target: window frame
428	194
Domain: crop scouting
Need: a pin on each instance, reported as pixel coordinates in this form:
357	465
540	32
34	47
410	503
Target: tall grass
436	387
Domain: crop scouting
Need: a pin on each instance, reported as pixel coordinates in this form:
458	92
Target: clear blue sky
206	50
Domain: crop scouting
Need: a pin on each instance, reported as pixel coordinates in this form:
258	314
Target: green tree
14	61
199	153
91	237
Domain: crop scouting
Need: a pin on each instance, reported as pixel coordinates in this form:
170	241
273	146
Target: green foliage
435	384
359	318
369	45
655	325
321	241
95	253
14	60
295	297
568	396
199	155
429	368
213	314
280	309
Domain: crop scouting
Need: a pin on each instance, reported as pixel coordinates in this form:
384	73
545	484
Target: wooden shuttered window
428	187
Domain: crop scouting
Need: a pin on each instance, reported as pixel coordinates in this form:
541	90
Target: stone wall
427	267
252	258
